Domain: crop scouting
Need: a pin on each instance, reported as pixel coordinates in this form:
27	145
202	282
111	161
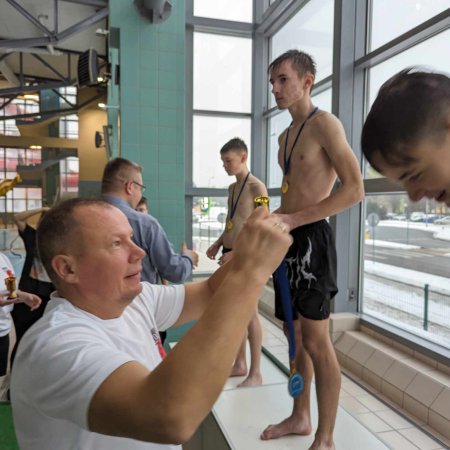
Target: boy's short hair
235	144
302	62
410	107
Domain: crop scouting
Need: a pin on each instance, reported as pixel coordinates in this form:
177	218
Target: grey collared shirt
160	256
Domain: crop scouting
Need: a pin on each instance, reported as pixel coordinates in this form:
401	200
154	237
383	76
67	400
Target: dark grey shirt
160	257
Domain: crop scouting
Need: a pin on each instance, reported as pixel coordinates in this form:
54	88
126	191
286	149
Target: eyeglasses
140	185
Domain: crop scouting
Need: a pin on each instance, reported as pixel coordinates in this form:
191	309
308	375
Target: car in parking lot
443	221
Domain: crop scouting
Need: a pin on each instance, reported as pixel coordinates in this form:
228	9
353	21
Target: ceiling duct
155	11
88	68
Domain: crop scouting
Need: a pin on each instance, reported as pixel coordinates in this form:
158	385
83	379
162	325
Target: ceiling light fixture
104	106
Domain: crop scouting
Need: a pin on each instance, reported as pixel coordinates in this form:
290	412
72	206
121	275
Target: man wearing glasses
122	186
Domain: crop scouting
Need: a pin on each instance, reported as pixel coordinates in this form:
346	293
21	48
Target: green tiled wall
152	107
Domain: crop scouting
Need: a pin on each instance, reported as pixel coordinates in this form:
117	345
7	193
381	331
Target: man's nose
416	194
137	252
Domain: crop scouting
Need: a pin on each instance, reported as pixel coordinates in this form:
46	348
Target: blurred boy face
142	208
428	176
233	161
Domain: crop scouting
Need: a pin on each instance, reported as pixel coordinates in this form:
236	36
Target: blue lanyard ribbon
295	382
287	162
234	205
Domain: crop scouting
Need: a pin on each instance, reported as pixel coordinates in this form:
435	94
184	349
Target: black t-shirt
27	283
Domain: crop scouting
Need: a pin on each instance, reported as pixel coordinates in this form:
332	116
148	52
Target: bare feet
319	445
291	425
238	370
251	380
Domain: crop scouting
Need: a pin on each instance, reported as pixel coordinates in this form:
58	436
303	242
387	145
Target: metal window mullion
259	125
188	120
229	114
422	32
223	27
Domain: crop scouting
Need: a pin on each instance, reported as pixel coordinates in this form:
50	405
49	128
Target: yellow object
258	201
10	283
7	184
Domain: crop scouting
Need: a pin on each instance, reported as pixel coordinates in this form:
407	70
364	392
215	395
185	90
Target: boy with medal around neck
313	153
241	194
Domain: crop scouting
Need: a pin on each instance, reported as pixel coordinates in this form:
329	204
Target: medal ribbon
287	162
295	383
234	205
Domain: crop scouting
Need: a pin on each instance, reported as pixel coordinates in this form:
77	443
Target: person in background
241	195
122	186
30	301
34	278
142	206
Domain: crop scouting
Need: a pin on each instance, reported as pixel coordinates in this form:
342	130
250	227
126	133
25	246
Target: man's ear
128	187
244	157
308	81
65	268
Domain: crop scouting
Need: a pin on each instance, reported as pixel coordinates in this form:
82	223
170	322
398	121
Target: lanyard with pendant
234	205
287	161
295	382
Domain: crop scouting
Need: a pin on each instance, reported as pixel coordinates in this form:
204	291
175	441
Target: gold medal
229	225
284	186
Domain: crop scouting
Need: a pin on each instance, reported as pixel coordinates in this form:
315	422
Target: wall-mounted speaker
88	68
155	11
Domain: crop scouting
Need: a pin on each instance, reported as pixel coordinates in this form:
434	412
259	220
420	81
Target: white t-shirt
65	357
5	316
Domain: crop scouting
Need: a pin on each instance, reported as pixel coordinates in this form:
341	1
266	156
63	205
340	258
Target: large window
222	108
237	10
26	104
427	54
210	133
389	19
68	125
208	216
222	73
406	277
311	31
406	270
18	199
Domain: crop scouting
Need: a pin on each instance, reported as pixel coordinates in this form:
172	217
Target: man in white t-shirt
90	373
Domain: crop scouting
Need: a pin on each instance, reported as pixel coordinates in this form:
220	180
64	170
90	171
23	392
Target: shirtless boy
313	153
234	155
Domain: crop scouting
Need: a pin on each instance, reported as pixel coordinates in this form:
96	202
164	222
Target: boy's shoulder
254	180
323	119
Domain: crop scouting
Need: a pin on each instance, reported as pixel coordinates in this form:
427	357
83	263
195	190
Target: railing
423	308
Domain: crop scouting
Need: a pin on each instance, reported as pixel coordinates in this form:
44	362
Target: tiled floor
393	427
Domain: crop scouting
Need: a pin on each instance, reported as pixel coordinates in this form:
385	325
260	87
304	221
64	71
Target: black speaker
155	11
87	69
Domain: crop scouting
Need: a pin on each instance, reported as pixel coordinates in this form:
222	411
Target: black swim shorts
311	264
